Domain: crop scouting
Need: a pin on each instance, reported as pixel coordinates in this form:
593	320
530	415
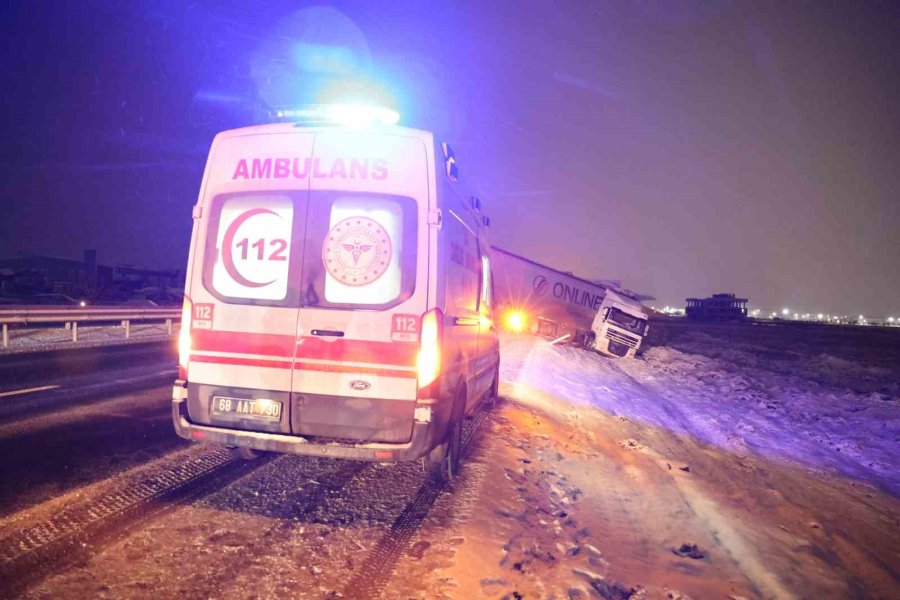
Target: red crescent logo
228	242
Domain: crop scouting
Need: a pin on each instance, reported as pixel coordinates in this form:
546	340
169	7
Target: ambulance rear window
322	249
251	250
360	250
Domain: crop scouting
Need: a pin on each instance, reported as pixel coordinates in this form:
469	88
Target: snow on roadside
729	401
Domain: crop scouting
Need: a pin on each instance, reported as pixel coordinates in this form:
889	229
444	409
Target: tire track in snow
660	406
228	568
79	529
732	542
375	573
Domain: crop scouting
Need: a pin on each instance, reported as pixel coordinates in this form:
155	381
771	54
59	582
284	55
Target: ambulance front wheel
442	463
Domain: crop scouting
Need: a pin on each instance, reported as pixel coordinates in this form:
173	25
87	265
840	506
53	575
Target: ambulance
339	294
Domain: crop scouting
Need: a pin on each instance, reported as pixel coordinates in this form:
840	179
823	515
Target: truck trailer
545	301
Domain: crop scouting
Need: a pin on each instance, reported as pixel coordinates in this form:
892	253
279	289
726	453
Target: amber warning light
515	321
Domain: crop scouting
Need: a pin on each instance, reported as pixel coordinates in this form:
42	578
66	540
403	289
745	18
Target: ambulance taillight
428	362
184	339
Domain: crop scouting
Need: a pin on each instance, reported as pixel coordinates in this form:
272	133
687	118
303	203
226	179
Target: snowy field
816	409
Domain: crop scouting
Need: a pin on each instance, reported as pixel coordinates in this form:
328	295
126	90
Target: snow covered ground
711	467
741	399
680	475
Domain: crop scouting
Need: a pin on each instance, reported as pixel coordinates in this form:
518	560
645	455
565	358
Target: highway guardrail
70	317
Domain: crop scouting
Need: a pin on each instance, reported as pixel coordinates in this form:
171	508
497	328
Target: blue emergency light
348	115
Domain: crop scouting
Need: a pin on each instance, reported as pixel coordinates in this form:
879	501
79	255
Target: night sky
683	147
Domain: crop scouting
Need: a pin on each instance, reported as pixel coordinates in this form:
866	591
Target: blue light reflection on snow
736	407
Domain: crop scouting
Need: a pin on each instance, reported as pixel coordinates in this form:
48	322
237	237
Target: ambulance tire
494	392
443	462
246	453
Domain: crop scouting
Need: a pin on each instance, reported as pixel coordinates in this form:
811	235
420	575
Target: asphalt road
74	417
30	369
89	454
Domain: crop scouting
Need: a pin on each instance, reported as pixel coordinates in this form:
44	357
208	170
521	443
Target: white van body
316	254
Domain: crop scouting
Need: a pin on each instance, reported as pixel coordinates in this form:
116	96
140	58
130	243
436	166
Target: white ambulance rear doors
363	286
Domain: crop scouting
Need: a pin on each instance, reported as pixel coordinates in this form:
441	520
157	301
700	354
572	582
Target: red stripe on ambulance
380	353
245	362
305	366
301	366
269	344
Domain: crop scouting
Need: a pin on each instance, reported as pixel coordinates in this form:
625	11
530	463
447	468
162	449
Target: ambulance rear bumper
424	437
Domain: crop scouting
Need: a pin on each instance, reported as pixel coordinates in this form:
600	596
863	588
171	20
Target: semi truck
599	315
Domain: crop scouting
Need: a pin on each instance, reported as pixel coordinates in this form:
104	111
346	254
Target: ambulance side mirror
452	170
450	162
449	154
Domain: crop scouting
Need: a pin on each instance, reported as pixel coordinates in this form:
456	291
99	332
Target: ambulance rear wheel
246	453
443	462
494	392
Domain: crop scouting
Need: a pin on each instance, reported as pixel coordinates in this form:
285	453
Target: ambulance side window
487	283
463	266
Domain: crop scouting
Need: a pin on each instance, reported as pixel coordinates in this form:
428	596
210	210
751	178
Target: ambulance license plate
259	408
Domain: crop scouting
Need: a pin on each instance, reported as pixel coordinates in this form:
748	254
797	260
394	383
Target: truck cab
619	326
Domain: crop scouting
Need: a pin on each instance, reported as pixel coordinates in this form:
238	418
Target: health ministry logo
357	251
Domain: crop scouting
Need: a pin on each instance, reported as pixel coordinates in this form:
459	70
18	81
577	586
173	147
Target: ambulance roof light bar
348	115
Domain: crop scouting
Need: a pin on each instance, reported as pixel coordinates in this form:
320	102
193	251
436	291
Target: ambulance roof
287	127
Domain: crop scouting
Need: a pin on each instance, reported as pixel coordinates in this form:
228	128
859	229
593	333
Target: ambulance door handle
328	332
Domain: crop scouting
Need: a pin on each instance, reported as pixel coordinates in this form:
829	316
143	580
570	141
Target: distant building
719	307
26	275
38	274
